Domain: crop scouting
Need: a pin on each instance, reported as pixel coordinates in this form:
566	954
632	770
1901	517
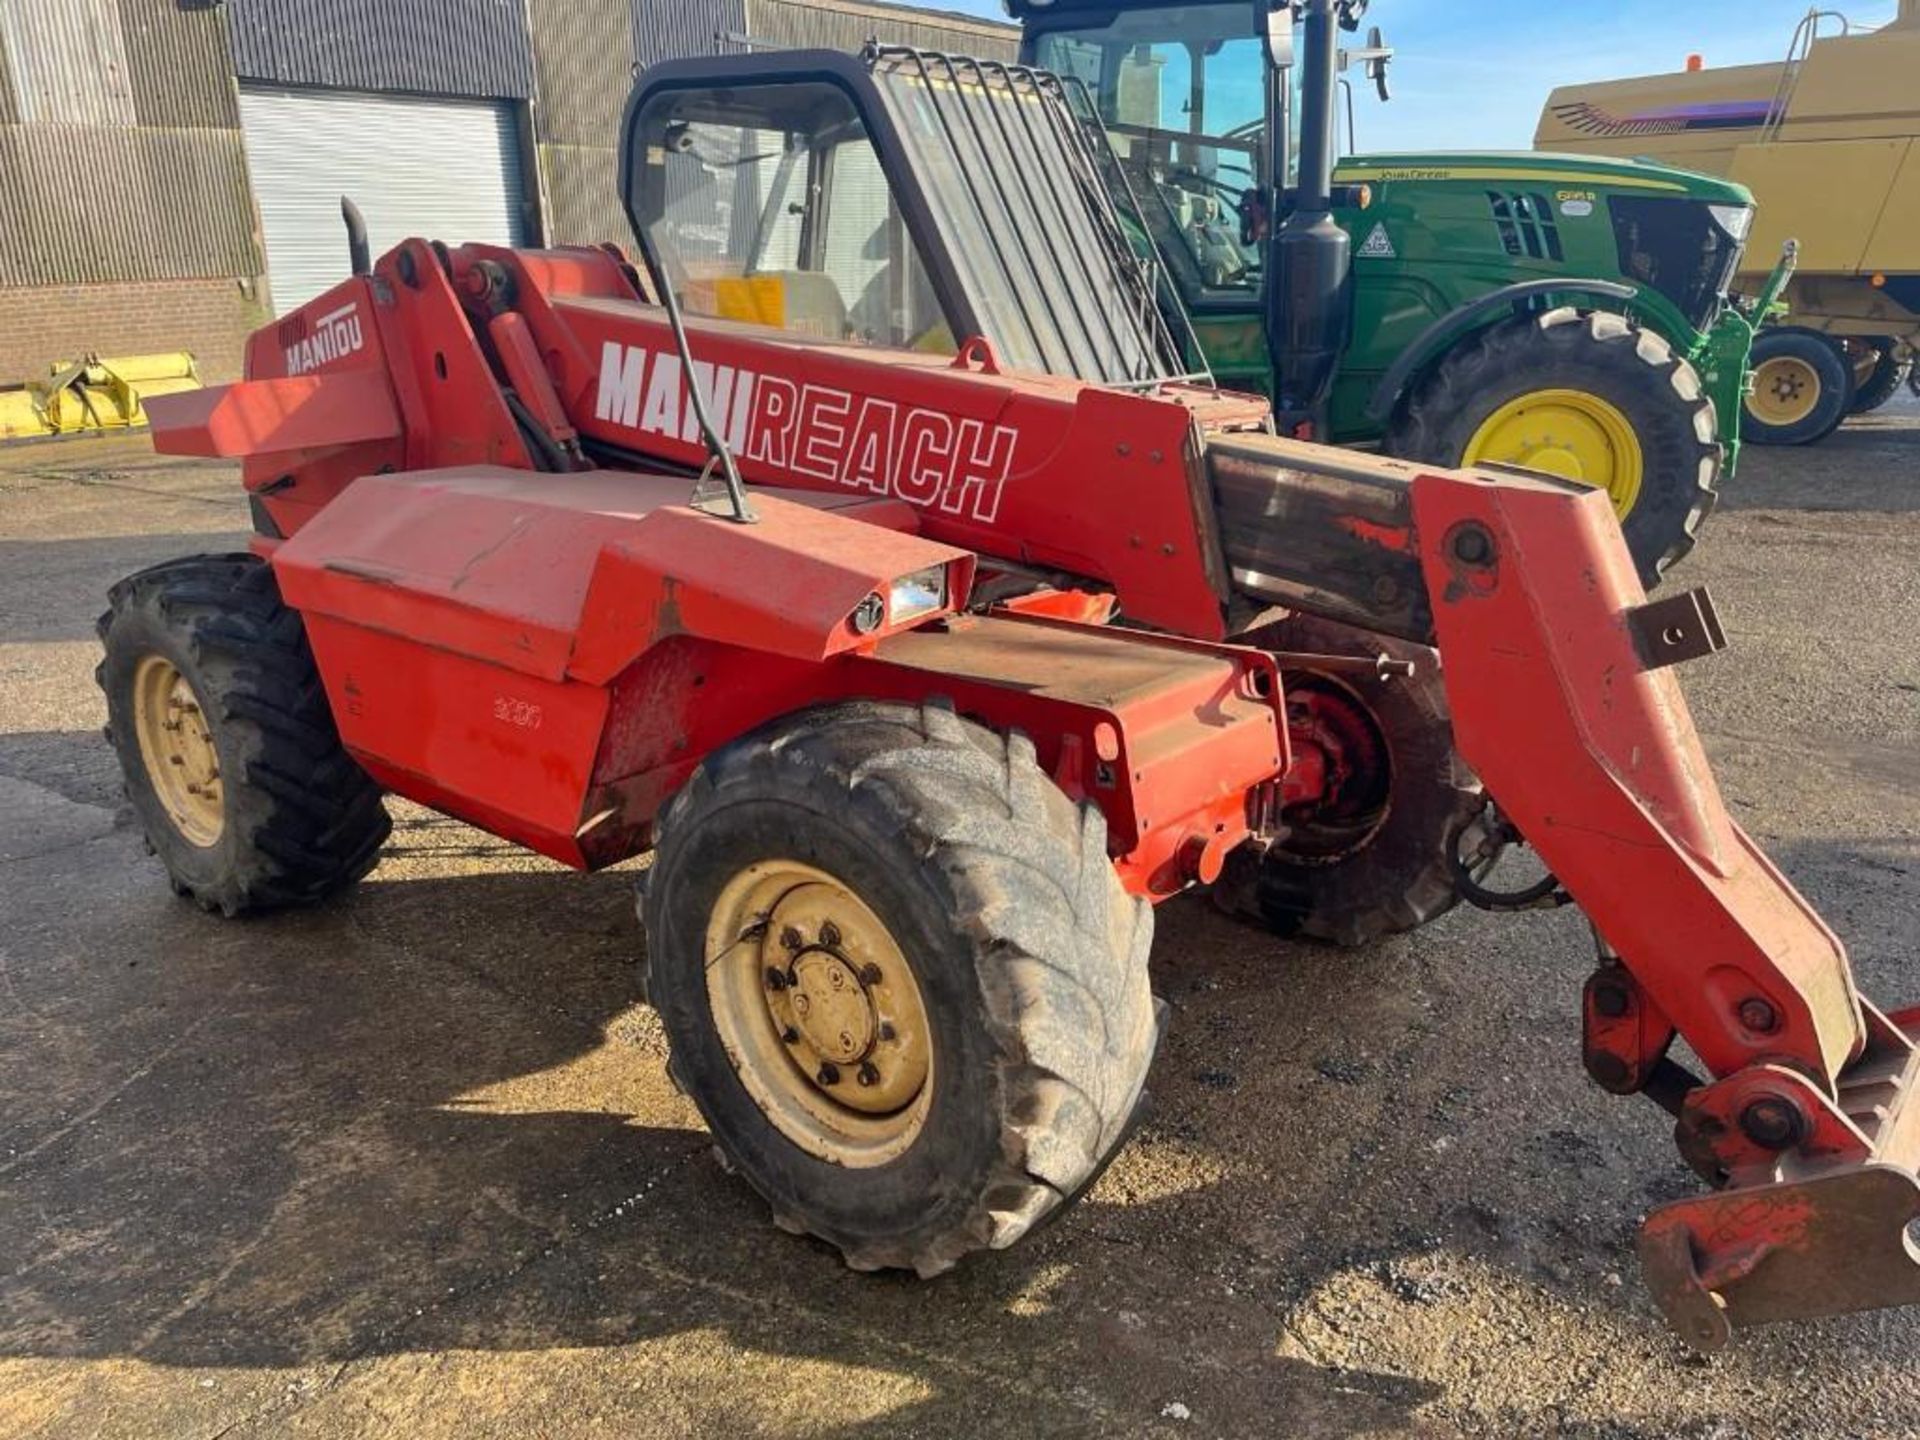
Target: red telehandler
891	599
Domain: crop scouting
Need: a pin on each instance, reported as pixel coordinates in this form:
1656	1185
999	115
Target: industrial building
170	170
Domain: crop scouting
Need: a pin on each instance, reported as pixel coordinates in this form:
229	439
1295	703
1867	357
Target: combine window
769	205
1676	247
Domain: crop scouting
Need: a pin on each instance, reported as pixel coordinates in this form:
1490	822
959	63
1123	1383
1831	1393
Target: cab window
1183	93
769	205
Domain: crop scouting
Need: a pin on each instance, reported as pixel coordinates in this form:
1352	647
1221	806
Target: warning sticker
1377	245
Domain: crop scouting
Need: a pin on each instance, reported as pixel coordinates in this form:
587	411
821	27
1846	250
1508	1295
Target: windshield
768	204
1183	93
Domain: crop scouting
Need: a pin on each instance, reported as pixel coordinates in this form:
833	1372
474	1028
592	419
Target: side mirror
1377	61
1279	36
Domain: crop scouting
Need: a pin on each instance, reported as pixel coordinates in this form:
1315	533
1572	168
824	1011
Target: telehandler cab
811	592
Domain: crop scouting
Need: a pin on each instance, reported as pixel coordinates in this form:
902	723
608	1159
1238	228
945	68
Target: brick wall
212	318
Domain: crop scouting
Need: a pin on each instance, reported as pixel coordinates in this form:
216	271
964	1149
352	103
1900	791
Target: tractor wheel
1588	397
1802	386
900	978
1376	858
1878	373
227	747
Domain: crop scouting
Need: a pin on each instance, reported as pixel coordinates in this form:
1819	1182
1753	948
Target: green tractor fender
1430	342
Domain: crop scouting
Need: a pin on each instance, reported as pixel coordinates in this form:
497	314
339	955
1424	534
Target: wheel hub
176	746
1572	434
821	1013
1785	390
831	1010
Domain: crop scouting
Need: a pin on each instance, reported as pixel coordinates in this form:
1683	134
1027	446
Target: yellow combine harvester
92	395
1829	143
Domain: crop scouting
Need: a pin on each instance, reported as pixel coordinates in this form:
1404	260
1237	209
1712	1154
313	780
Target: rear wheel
1878	373
1373	858
900	978
228	749
1589	397
1802	387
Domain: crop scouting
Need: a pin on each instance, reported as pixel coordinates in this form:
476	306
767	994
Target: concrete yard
409	1165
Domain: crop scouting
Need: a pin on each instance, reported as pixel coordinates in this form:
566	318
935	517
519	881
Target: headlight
912	597
1736	220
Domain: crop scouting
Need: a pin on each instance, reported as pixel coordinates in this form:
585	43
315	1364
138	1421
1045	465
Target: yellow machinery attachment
93	395
1828	140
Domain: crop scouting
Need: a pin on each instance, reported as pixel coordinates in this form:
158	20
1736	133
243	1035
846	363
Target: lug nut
887	1032
790	938
1757	1015
869	974
829	1074
1773	1123
776	978
790	1035
829	934
868	1074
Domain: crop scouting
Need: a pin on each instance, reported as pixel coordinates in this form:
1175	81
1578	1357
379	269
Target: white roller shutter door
443	169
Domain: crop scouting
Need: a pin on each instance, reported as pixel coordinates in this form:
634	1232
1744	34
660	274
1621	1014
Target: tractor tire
1878	375
1634	414
900	979
1381	862
1802	387
226	744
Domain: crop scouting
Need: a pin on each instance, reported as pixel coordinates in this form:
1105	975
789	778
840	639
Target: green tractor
1568	314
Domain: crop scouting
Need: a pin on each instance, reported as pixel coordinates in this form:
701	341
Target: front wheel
1588	397
1802	387
1374	856
900	978
227	746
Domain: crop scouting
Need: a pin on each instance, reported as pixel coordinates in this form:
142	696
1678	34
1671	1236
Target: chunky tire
1876	383
1812	359
1632	368
299	819
1387	869
1030	958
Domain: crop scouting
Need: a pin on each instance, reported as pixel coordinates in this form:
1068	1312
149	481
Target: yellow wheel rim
176	746
1573	434
1786	390
820	1013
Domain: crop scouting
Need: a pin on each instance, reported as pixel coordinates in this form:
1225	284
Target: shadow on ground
431	1118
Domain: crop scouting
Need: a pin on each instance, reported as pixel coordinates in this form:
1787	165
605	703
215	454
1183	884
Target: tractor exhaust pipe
359	252
1310	257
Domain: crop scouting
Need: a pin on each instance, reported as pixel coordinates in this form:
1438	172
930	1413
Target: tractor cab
899	199
1448	307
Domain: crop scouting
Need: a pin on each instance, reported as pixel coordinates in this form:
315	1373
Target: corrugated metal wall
178	62
67	62
474	48
583	62
81	204
848	24
141	176
669	29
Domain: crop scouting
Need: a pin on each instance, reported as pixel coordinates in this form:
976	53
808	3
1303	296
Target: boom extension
1557	672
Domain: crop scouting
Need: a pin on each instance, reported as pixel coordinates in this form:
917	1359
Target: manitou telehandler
890	600
1565	313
